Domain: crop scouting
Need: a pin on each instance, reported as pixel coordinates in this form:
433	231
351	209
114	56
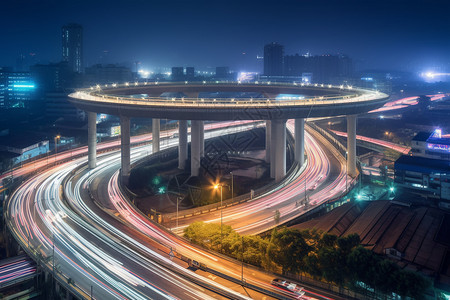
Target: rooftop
419	233
422	136
422	164
19	142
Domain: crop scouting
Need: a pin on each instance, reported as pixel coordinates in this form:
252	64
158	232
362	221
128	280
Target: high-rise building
72	46
296	65
273	59
177	73
427	170
324	68
52	77
53	83
190	73
103	74
17	89
222	72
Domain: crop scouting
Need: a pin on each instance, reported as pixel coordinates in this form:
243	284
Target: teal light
156	180
358	197
162	190
31	86
391	189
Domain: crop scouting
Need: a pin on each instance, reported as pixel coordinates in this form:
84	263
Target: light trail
405	102
389	145
41	218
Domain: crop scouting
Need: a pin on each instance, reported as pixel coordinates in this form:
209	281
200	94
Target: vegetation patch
323	256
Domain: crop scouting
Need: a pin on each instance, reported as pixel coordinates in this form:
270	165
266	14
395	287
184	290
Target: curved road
97	253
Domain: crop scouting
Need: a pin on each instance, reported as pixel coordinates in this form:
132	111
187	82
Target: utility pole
242	271
232	187
178	201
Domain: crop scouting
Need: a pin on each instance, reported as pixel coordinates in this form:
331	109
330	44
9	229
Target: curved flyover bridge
273	102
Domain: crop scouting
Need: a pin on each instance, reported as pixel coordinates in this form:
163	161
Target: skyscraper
72	46
273	59
177	73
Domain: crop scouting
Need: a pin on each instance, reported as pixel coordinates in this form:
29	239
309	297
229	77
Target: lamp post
305	191
232	187
221	215
178	201
56	146
242	270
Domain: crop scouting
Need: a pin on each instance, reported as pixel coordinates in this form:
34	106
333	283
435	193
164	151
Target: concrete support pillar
299	149
155	134
92	140
125	146
202	138
267	159
351	145
195	147
278	149
272	148
182	144
280	156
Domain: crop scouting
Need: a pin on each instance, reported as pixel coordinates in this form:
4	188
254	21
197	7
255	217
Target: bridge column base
278	149
268	129
202	139
195	147
92	140
299	149
182	144
156	126
351	145
125	148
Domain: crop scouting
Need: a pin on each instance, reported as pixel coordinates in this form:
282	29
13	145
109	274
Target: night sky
407	35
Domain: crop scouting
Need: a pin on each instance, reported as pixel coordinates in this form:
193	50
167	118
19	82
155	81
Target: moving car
289	286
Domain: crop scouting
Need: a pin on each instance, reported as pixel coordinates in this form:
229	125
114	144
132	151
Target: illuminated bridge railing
94	94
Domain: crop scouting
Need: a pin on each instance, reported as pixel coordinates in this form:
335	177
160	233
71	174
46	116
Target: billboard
115	130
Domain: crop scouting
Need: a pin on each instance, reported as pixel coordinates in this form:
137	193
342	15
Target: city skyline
381	34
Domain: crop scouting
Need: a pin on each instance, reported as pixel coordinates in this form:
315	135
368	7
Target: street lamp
56	146
242	270
232	187
178	201
221	215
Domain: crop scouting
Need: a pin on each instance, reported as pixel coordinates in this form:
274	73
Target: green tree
290	249
311	263
411	284
330	264
385	276
209	235
361	264
327	240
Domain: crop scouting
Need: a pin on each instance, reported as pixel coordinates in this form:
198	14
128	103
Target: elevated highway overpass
189	104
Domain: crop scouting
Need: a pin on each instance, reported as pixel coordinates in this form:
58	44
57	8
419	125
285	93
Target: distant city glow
433	75
144	73
247	76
